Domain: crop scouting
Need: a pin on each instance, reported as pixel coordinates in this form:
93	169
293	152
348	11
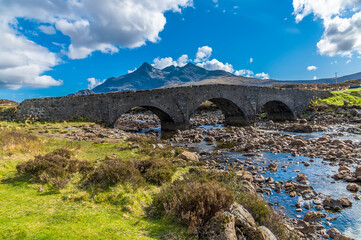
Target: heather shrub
56	167
156	171
113	171
258	207
193	203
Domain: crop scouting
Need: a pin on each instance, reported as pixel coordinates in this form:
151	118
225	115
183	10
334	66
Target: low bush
113	171
156	171
193	203
256	205
56	167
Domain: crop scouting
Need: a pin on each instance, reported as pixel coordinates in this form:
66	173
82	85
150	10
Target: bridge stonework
174	106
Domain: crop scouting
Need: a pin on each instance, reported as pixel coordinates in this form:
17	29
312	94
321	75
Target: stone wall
8	114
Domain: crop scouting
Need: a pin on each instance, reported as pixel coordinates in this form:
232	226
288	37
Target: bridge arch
166	121
278	111
233	114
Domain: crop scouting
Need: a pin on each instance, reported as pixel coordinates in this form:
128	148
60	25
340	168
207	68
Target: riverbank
300	167
308	171
83	181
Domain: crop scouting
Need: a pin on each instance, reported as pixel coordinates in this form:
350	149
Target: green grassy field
72	212
351	95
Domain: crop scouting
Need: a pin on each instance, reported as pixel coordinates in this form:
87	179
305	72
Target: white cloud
342	23
203	54
22	62
202	60
250	74
314	77
324	9
161	63
214	64
94	82
311	68
244	72
262	75
251	60
348	61
47	29
182	60
91	25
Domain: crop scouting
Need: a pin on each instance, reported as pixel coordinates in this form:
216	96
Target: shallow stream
319	176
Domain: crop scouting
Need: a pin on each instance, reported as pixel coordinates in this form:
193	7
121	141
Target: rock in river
189	156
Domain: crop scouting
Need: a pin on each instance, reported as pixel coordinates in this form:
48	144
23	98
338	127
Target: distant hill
148	77
82	92
8	103
354	76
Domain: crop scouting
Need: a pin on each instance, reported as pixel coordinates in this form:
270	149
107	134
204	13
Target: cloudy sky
55	47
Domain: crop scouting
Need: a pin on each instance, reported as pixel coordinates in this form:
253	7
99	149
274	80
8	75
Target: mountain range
148	77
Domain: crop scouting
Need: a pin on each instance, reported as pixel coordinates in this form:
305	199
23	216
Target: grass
3	108
72	212
33	209
351	95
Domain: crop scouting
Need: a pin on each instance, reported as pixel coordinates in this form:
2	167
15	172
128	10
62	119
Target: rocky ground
251	141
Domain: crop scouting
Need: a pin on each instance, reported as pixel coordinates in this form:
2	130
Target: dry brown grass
16	142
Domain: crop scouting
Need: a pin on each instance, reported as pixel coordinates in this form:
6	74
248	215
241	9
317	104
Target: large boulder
332	232
312	216
243	218
353	187
305	227
265	234
189	156
298	143
244	175
302	178
343	237
336	204
220	227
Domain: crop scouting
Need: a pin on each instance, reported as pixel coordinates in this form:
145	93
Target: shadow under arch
233	114
166	121
278	111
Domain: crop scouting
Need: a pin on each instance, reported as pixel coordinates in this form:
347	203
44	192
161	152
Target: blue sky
56	47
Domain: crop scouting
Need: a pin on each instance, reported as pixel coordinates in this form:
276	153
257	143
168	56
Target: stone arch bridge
174	106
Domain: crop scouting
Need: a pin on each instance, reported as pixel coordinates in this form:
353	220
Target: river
319	174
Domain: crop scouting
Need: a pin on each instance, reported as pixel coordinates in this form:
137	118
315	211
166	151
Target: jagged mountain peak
170	68
145	67
148	77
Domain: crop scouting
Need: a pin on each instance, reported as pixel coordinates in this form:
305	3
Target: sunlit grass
73	212
351	95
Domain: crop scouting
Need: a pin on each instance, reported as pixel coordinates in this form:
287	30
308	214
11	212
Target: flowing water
319	176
